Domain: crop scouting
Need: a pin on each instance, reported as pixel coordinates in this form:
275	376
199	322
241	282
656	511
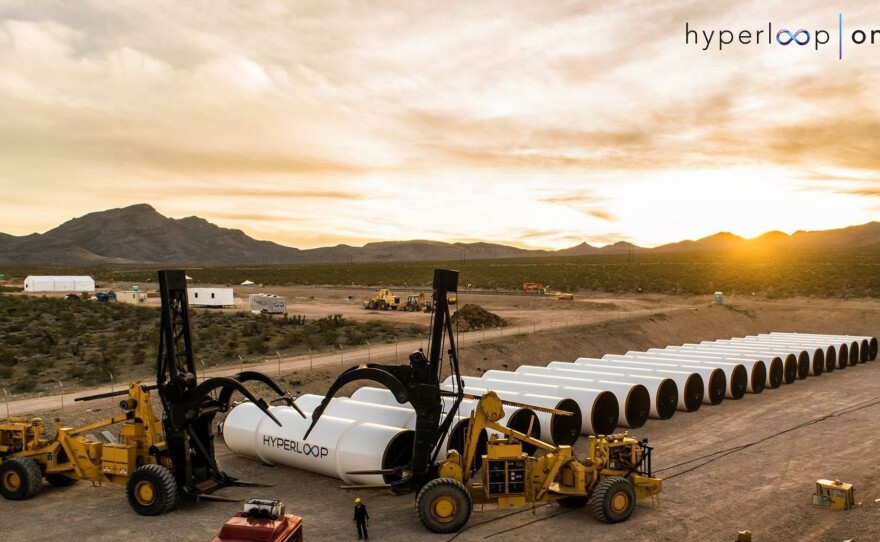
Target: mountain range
140	235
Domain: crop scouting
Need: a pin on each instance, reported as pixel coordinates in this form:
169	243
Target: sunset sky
313	123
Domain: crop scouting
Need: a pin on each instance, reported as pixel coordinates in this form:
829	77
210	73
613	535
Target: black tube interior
693	392
853	354
739	382
638	406
759	377
520	420
830	358
790	368
667	399
864	353
818	361
565	430
872	346
605	413
717	386
458	438
776	373
398	453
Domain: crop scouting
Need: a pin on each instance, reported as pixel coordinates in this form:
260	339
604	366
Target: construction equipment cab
834	494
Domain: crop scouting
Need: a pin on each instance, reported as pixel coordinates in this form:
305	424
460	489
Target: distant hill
139	234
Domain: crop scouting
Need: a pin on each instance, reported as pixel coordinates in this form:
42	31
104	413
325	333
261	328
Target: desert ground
746	464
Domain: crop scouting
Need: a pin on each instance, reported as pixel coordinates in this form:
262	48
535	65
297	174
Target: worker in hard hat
361	517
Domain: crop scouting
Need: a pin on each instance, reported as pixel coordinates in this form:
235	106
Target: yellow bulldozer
616	473
383	301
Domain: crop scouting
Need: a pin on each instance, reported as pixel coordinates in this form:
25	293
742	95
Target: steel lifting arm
418	383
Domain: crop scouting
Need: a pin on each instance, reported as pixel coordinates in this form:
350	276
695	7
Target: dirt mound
471	317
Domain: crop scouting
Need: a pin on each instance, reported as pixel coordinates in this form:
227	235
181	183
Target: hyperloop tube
335	448
599	408
811	357
736	376
756	370
662	391
714	379
516	418
633	400
777	372
773	368
829	347
691	387
352	409
404	415
596	413
844	352
792	367
865	341
379	396
556	429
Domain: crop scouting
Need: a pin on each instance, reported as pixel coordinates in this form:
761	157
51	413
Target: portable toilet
719	298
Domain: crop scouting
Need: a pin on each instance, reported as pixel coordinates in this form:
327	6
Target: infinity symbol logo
792	37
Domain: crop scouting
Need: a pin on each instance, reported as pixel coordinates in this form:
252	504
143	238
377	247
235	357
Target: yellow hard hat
357	500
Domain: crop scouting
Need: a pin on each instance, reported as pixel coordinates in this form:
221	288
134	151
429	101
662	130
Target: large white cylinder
516	418
599	408
691	387
352	409
866	341
736	378
714	380
556	429
811	358
756	370
791	368
336	446
663	391
773	372
633	400
834	359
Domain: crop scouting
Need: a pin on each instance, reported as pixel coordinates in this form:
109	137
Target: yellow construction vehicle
158	458
834	494
414	303
615	474
384	300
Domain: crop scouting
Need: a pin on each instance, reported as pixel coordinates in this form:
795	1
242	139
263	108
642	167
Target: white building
131	296
210	297
268	303
41	283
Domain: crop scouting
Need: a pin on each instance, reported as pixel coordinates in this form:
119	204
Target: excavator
616	472
158	460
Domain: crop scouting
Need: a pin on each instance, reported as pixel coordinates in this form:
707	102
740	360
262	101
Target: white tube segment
714	379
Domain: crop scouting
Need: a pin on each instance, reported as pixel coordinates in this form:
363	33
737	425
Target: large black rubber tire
383	305
60	480
613	500
151	490
444	505
20	478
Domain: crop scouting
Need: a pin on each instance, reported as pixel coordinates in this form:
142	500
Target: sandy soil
748	464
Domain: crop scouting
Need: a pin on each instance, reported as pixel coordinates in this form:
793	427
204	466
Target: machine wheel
613	500
20	478
383	305
444	505
60	480
573	502
151	490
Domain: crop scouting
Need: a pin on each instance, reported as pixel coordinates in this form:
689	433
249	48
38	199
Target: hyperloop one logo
785	37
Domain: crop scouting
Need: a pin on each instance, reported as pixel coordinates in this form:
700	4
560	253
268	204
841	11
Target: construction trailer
66	283
131	296
210	297
268	303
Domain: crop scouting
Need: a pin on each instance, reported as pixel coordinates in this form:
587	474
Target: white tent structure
41	283
247	283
